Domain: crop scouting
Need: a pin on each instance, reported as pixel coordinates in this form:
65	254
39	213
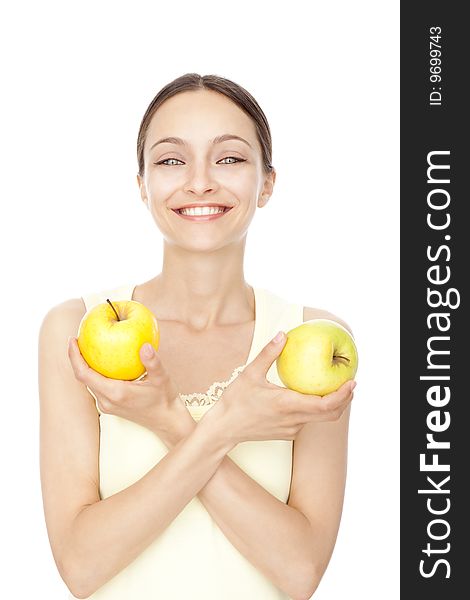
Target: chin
204	244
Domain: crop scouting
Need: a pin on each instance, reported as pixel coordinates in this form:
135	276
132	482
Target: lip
206	204
202	218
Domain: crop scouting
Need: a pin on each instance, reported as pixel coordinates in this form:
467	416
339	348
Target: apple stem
109	302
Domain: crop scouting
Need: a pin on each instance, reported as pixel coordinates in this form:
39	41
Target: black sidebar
435	319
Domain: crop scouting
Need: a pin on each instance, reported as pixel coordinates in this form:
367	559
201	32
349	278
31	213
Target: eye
232	157
165	162
234	160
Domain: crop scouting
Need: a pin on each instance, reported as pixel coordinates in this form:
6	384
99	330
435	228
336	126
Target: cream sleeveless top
192	559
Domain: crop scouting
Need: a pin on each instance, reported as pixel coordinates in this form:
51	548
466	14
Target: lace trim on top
214	392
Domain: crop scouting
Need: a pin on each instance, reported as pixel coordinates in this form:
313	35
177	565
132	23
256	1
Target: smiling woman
206	156
209	478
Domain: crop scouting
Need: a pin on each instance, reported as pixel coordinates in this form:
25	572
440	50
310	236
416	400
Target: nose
200	180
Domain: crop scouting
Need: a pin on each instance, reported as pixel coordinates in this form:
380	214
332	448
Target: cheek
243	181
160	184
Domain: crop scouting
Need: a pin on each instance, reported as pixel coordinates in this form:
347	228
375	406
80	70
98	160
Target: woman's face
199	169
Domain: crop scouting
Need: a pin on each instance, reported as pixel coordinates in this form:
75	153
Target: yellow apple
318	357
111	334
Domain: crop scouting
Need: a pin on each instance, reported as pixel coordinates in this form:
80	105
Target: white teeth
201	210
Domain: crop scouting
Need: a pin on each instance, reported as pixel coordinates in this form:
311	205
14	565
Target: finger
152	363
340	396
268	355
105	386
79	365
322	404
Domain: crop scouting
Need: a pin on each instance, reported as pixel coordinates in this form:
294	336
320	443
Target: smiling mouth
202	214
202	210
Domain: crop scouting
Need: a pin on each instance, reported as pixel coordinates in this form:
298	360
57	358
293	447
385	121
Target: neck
204	289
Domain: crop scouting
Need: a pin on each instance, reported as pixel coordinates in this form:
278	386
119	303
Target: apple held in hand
318	357
110	336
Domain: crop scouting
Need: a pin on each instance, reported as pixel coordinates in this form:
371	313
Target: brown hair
233	91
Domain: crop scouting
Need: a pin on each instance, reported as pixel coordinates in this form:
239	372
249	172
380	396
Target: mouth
202	214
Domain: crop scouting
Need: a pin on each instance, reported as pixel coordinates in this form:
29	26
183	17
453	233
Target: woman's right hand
252	408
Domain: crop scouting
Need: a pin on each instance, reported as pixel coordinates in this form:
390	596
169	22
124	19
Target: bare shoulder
70	308
319	313
64	316
59	323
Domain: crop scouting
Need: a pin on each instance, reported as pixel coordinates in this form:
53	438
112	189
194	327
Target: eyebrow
216	140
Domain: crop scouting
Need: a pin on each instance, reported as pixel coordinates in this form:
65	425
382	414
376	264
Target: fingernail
278	337
353	385
148	350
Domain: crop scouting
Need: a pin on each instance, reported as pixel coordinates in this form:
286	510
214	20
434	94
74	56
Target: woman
154	488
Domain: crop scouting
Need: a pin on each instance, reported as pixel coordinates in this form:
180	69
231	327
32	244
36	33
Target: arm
82	528
107	535
301	533
298	551
259	516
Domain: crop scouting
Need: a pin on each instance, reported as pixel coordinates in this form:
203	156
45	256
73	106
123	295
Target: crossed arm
277	537
82	528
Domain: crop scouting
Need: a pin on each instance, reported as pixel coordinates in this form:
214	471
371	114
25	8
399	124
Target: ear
267	189
143	191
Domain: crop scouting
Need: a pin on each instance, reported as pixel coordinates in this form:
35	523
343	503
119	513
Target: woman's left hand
152	401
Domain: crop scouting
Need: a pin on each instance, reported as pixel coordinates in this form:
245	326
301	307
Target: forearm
108	535
274	537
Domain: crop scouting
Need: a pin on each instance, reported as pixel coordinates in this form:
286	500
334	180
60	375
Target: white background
77	78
